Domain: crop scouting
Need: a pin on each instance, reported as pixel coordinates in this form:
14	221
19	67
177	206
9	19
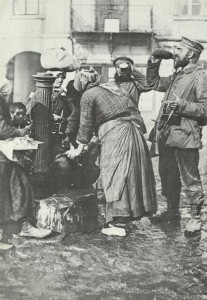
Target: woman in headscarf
126	167
67	172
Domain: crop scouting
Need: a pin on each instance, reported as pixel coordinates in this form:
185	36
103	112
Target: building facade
27	27
109	28
96	31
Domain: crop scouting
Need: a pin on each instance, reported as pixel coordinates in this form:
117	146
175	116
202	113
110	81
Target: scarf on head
86	79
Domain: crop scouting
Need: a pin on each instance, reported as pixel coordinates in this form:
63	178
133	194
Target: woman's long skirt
126	169
16	195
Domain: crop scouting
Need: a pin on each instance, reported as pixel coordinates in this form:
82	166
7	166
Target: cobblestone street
152	262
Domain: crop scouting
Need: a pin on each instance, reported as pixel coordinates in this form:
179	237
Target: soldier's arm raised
154	80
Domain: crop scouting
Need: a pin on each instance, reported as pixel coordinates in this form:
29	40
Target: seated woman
16	200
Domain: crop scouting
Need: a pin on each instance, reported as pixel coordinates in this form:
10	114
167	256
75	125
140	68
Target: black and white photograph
103	150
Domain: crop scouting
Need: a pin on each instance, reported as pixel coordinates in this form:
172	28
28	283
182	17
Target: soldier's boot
194	224
172	212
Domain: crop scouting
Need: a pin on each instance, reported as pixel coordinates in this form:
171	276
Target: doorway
20	69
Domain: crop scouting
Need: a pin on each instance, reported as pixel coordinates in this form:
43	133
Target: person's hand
173	105
154	60
63	93
24	131
21	132
56	117
72	153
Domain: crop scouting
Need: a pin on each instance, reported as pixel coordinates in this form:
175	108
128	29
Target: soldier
132	83
186	95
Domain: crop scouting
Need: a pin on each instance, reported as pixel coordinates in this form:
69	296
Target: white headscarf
85	79
5	87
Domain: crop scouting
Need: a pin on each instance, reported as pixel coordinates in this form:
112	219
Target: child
18	115
19	120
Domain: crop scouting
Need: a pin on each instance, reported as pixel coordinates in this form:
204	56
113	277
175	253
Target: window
111	15
111	25
190	8
25	7
196	8
111	72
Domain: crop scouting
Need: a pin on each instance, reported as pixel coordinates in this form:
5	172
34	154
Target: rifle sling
182	93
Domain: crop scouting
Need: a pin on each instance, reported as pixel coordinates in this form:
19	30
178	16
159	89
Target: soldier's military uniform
180	144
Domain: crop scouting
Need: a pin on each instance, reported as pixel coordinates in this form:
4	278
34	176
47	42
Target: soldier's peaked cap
191	45
61	73
123	58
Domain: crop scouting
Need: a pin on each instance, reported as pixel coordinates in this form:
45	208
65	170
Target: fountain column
41	116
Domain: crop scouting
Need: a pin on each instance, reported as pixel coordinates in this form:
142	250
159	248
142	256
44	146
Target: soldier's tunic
179	149
135	86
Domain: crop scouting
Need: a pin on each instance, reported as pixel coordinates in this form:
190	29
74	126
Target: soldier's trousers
176	166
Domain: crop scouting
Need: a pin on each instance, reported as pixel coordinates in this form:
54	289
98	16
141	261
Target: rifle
157	131
154	134
164	119
153	138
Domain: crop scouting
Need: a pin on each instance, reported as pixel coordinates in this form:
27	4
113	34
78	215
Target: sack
202	121
175	119
58	58
152	135
156	138
180	138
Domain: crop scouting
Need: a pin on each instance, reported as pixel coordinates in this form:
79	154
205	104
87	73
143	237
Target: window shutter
177	8
204	8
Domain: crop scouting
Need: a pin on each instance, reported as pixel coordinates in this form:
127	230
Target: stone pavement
155	261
